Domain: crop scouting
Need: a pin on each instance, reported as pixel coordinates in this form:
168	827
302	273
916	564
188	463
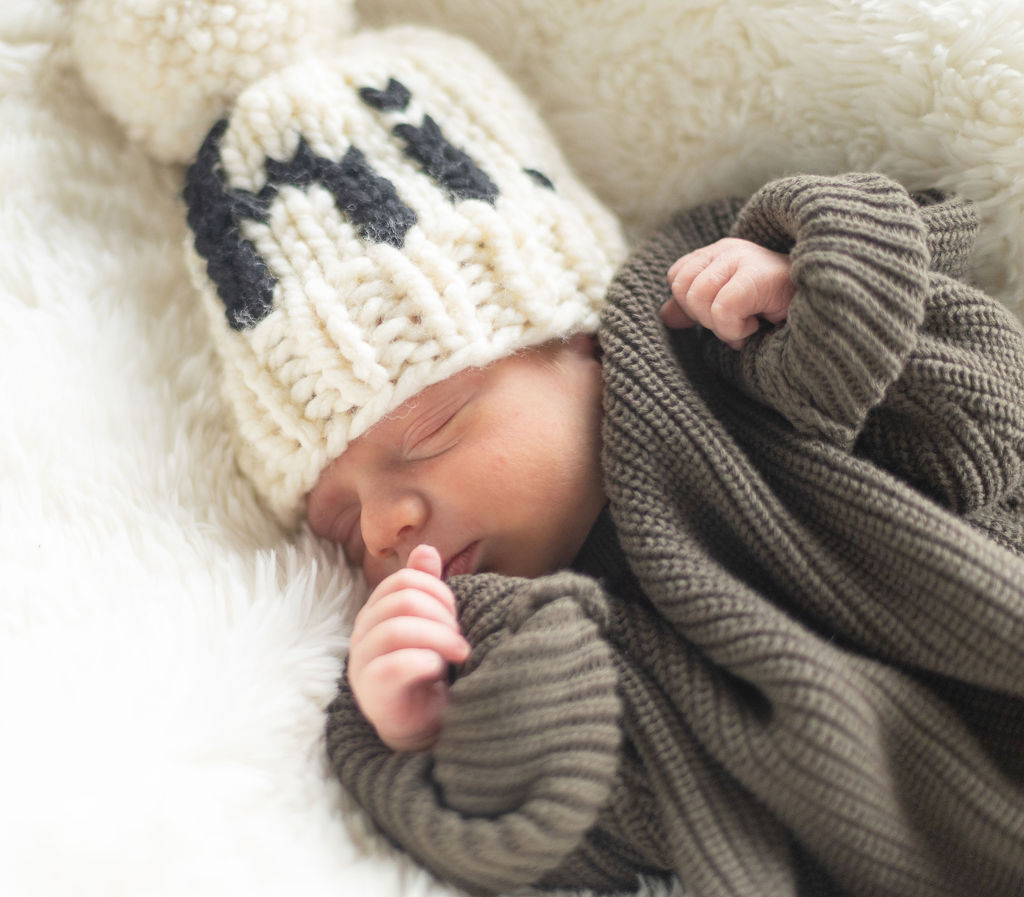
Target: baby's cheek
374	571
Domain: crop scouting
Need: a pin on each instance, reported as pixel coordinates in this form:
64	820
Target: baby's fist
727	287
403	640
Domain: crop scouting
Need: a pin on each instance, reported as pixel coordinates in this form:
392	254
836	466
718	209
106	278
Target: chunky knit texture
369	214
806	603
168	69
373	221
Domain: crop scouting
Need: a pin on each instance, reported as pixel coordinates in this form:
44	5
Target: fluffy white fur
664	103
165	653
166	69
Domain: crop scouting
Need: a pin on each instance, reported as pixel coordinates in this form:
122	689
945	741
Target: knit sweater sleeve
529	747
884	351
860	264
953	423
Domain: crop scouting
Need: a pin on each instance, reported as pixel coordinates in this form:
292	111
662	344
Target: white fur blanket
165	654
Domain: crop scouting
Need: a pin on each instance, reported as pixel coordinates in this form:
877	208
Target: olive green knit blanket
798	664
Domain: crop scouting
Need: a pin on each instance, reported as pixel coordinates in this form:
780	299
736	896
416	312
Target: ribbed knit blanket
794	663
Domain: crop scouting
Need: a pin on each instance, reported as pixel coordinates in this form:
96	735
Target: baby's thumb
427	559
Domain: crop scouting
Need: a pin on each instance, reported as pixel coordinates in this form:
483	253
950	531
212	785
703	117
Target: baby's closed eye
436	431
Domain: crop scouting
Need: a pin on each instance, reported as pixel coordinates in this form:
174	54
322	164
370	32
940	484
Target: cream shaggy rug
165	653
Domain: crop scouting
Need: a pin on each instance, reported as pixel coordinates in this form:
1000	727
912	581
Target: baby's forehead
463	384
458	384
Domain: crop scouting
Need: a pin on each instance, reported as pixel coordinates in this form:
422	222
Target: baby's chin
537	564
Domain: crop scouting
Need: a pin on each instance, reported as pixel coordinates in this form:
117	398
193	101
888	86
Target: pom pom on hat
168	69
365	222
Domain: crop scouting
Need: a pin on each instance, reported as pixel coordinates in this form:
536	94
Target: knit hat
370	221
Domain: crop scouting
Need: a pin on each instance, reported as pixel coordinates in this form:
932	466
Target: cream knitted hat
371	221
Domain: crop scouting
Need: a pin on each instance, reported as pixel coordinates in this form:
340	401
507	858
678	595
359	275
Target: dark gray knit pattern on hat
797	667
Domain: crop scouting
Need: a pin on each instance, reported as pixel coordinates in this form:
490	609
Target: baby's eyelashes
433	432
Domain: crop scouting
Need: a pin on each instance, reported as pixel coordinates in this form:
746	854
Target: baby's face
498	468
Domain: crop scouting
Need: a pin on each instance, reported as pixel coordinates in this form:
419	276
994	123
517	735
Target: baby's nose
392	525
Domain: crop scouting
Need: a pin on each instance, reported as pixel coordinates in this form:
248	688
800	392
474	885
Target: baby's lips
462	562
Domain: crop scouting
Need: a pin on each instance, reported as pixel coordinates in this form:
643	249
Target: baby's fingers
730	313
427	559
695	280
401	675
412	578
727	287
401	633
674	317
380	605
404	694
413	603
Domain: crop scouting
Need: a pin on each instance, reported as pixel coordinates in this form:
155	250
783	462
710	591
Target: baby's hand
726	287
403	639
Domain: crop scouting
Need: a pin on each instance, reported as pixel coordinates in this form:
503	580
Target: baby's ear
167	70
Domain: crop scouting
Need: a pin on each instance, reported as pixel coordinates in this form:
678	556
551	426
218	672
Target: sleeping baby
713	568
